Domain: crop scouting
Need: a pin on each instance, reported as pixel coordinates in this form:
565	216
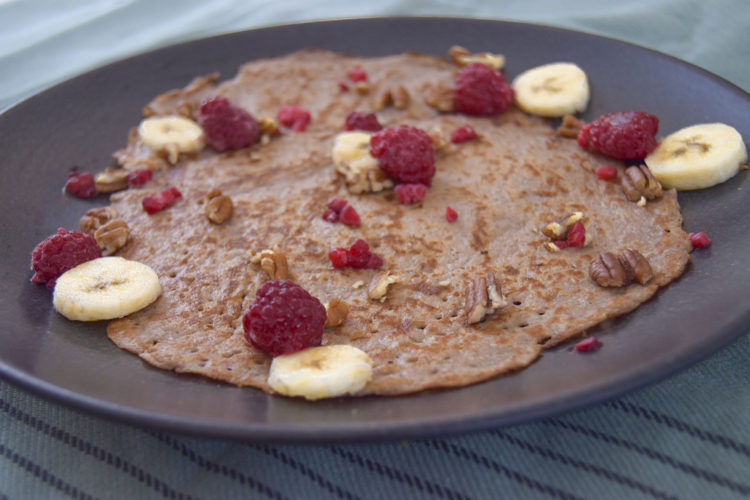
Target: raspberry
588	345
349	216
481	90
295	117
463	133
339	209
227	127
358	256
337	205
80	184
59	252
699	240
284	318
140	177
561	244
626	135
450	214
576	235
343	87
154	203
410	193
606	172
357	74
405	154
357	120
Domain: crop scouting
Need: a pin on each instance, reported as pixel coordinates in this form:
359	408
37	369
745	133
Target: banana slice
173	134
105	288
352	158
321	372
552	90
698	157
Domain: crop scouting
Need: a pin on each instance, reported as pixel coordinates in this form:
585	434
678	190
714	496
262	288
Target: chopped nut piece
362	88
112	236
439	140
494	293
186	110
551	247
558	230
484	298
636	265
358	284
461	57
570	126
380	283
336	312
398	97
218	207
638	181
642	201
274	263
607	270
111	180
440	98
95	218
268	126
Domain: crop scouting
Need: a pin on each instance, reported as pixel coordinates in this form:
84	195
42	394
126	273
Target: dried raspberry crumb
450	214
340	210
343	87
349	216
154	203
284	318
296	117
463	133
80	184
140	177
226	127
406	154
481	90
357	256
699	240
576	235
357	74
626	135
337	204
59	252
561	244
410	193
358	120
606	172
589	344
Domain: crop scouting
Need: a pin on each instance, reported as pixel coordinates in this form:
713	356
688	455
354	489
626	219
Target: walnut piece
336	312
95	218
570	126
558	230
111	180
610	270
274	263
112	236
484	298
380	284
440	98
638	181
218	207
461	57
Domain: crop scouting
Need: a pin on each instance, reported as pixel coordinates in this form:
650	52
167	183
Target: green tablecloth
685	437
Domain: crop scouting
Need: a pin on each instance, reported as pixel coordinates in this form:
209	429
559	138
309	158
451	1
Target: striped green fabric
685	437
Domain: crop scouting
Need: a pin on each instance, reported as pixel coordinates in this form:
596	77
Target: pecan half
274	263
570	126
638	181
461	57
95	218
218	207
636	265
440	98
111	180
336	312
611	270
380	284
484	298
112	236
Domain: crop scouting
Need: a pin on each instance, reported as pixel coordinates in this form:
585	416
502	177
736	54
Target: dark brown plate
82	121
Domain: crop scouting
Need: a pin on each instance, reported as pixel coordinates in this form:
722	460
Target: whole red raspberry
625	135
59	252
226	127
482	91
358	120
463	133
284	318
80	184
296	117
405	154
410	193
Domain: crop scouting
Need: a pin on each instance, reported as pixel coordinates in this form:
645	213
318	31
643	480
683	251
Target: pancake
505	187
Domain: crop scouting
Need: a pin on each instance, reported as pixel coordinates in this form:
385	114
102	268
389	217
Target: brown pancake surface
505	187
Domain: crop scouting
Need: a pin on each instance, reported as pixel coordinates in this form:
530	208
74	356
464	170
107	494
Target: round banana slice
321	372
173	134
552	90
698	157
105	288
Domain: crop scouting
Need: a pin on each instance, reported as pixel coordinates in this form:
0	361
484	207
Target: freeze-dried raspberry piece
81	184
62	251
482	91
405	154
576	235
358	256
589	344
699	240
226	127
463	133
340	210
358	120
349	216
450	214
357	74
284	318
606	172
140	177
296	117
625	135
339	257
410	193
154	203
